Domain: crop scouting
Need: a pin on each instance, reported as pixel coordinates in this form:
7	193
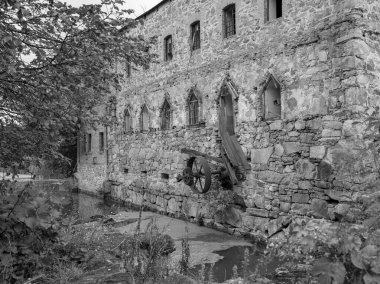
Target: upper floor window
89	143
127	122
84	143
165	119
193	109
195	35
128	70
229	20
101	141
144	119
272	100
274	9
168	48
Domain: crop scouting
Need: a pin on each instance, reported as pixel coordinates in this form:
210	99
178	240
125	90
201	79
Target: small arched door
226	113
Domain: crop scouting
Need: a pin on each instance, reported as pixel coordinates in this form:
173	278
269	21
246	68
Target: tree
56	64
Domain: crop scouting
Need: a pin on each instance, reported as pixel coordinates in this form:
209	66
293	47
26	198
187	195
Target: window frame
127	121
89	143
195	35
168	49
101	142
193	105
144	109
279	12
229	20
166	116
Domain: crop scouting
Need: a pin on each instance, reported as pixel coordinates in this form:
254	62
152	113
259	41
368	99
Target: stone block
291	147
300	209
299	125
252	222
278	150
173	206
319	208
317	152
261	156
191	208
300	198
332	124
276	125
304	184
259	201
161	202
285	207
339	195
305	169
258	212
353	128
342	209
328	133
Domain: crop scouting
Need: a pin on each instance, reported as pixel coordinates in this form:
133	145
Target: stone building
292	87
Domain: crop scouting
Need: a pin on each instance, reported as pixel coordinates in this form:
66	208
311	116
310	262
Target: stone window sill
198	125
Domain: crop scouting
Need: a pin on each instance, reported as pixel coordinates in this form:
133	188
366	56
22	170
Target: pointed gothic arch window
193	105
144	119
165	116
127	122
272	99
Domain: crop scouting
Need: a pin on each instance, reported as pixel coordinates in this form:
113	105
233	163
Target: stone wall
317	160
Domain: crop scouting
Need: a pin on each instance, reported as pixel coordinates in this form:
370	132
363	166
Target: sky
140	6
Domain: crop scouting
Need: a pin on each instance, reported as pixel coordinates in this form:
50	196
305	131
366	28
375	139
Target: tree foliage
56	63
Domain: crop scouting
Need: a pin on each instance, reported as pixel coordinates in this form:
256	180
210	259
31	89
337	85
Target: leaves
56	64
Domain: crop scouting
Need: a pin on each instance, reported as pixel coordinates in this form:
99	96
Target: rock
328	133
319	208
291	147
278	150
233	216
317	152
339	195
305	169
173	206
285	207
257	212
300	124
261	156
276	125
300	198
259	201
300	209
342	209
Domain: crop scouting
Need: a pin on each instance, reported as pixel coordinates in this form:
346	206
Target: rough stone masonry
317	157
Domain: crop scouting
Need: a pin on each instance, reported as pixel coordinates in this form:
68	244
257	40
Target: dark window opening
144	119
125	170
272	100
101	141
89	143
274	9
84	142
164	176
128	69
193	110
195	35
229	20
127	123
168	48
165	123
144	172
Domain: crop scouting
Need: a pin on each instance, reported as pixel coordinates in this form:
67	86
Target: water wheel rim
202	174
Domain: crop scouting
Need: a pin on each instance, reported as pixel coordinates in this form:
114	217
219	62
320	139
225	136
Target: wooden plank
199	154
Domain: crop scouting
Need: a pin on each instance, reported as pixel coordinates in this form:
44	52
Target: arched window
127	122
193	109
165	116
144	119
272	99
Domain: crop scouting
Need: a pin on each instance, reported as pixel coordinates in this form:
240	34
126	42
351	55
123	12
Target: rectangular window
229	20
88	143
101	141
195	35
168	48
83	144
274	9
128	70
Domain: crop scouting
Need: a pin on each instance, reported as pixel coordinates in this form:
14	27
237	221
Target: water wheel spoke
195	165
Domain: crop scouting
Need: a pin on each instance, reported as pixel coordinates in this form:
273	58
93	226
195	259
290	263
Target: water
83	207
